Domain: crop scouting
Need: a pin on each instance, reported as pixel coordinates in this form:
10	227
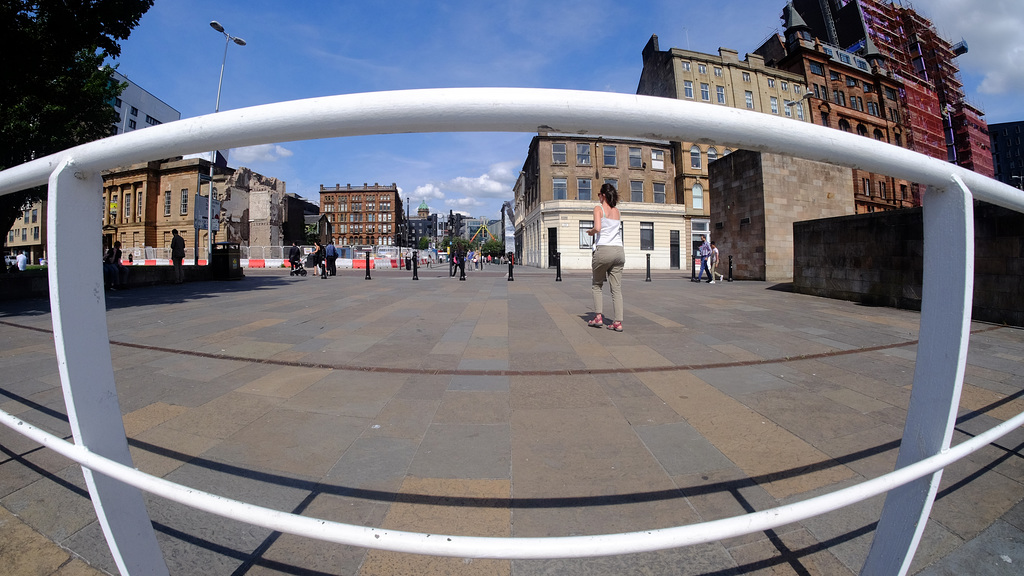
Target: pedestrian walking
714	263
608	257
177	256
705	253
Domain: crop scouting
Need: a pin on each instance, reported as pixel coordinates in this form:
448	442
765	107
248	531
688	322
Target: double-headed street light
228	39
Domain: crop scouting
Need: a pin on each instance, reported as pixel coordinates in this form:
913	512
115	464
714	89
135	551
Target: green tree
424	243
56	92
493	247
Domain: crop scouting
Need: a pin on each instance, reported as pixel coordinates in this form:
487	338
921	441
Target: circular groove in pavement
458	372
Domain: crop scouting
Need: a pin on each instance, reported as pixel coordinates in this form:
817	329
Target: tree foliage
56	92
493	247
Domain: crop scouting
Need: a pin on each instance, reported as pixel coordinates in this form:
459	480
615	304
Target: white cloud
261	153
992	30
428	192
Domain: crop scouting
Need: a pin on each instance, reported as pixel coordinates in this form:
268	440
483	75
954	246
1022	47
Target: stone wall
877	259
756	197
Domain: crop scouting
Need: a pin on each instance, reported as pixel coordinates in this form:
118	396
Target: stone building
253	209
363	215
852	92
722	80
557	190
758	197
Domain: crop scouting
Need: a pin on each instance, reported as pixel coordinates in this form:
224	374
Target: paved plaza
490	408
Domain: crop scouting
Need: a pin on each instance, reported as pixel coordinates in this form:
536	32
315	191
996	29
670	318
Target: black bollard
730	268
693	273
510	278
368	266
558	266
648	268
415	272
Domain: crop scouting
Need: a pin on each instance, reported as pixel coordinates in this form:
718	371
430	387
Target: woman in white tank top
608	258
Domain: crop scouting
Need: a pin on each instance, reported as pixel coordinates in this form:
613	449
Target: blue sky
305	48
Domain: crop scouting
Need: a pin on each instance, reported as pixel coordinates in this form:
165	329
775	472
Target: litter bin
225	261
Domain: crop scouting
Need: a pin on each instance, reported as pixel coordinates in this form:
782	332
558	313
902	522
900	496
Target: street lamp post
228	39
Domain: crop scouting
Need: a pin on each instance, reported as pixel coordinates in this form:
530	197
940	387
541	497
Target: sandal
597	322
617	326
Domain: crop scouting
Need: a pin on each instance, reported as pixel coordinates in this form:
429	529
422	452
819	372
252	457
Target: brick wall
878	258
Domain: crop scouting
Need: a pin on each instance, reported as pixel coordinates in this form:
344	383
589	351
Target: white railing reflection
84	355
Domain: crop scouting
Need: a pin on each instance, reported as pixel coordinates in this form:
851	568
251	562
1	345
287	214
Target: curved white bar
509	110
511	548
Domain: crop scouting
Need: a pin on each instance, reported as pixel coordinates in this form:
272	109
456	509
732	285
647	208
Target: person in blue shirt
332	258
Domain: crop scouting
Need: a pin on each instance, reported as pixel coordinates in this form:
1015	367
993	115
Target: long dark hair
611	195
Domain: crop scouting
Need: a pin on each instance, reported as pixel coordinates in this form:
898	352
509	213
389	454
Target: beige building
28	233
722	80
557	190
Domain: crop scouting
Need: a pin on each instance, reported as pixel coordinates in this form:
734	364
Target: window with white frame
720	92
586	240
635	158
609	155
774	104
582	154
749	97
685	65
127	212
583	189
718	71
788	110
746	76
712	154
636	191
688	88
702	68
705	92
559	188
695	157
698	196
657	159
167	203
771	82
784	85
183	209
558	153
659	192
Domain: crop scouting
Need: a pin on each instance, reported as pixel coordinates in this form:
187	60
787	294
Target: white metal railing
84	355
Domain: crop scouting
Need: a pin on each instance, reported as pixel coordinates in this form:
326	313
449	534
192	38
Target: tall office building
137	108
1006	152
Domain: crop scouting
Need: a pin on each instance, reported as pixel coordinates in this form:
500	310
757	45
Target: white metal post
79	315
947	291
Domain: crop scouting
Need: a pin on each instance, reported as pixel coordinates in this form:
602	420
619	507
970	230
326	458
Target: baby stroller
297	269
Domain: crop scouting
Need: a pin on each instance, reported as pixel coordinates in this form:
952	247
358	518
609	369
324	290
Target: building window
35	215
131	124
872	108
135	111
117	102
635	158
746	76
127	207
720	91
184	201
881	190
167	203
659	192
797	89
559	188
586	240
800	111
35	233
718	72
712	154
834	76
688	88
583	189
647	235
844	125
698	197
151	121
771	82
890	93
609	155
558	153
749	96
702	68
788	110
695	158
705	92
785	86
24	234
851	81
774	104
138	207
685	65
657	159
817	68
865	186
583	154
636	191
844	57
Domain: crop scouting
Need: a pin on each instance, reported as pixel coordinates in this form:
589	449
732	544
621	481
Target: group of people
324	258
708	261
